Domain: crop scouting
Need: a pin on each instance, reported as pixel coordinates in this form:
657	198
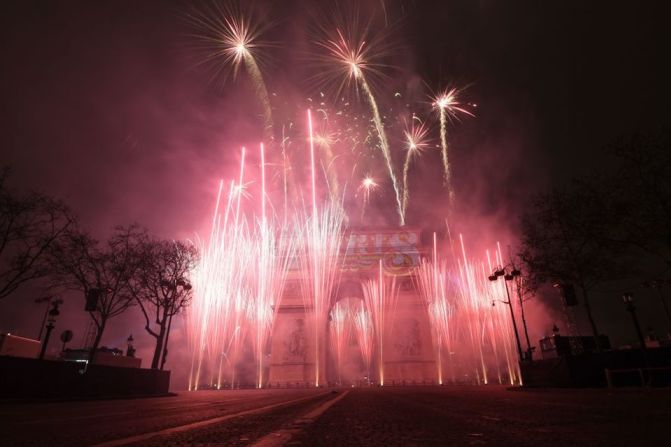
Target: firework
320	241
416	141
448	105
353	58
247	255
368	184
230	39
464	324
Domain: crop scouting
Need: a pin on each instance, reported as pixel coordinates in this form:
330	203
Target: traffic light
92	297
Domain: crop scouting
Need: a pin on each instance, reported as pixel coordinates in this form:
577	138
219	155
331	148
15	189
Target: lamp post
53	313
508	276
628	299
130	352
517	274
48	300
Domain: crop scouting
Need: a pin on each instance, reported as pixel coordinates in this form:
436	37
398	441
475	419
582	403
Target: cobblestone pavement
90	422
403	416
495	416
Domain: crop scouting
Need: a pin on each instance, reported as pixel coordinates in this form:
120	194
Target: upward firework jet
476	335
351	58
340	332
363	329
229	39
321	238
380	297
448	106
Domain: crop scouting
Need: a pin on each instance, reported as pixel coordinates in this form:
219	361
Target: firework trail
273	254
463	321
381	296
430	281
229	39
238	287
321	239
352	59
415	138
384	146
220	291
448	105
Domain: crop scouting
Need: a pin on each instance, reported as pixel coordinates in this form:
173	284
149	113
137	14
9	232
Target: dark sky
103	107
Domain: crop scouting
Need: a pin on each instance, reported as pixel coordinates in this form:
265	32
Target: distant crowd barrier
627	367
644	376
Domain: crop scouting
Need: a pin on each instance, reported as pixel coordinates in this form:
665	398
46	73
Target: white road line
201	424
282	436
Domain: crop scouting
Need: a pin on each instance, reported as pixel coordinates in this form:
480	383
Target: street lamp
508	276
48	300
628	299
53	313
130	352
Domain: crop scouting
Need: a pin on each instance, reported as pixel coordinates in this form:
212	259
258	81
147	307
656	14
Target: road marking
200	424
282	436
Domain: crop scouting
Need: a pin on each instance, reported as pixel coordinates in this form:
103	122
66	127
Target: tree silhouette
565	239
29	225
162	288
81	263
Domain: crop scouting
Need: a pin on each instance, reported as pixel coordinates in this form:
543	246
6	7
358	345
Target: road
404	416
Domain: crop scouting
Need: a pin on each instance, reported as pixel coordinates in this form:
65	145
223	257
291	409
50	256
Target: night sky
103	106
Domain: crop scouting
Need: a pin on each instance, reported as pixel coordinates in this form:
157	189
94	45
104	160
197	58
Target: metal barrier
645	381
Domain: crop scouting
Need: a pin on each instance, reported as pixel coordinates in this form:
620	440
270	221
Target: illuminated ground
413	416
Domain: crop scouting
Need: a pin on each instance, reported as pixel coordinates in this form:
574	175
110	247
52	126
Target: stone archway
344	361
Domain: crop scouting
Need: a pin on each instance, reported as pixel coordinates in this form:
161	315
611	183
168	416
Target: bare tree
641	196
563	241
29	226
101	273
162	288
